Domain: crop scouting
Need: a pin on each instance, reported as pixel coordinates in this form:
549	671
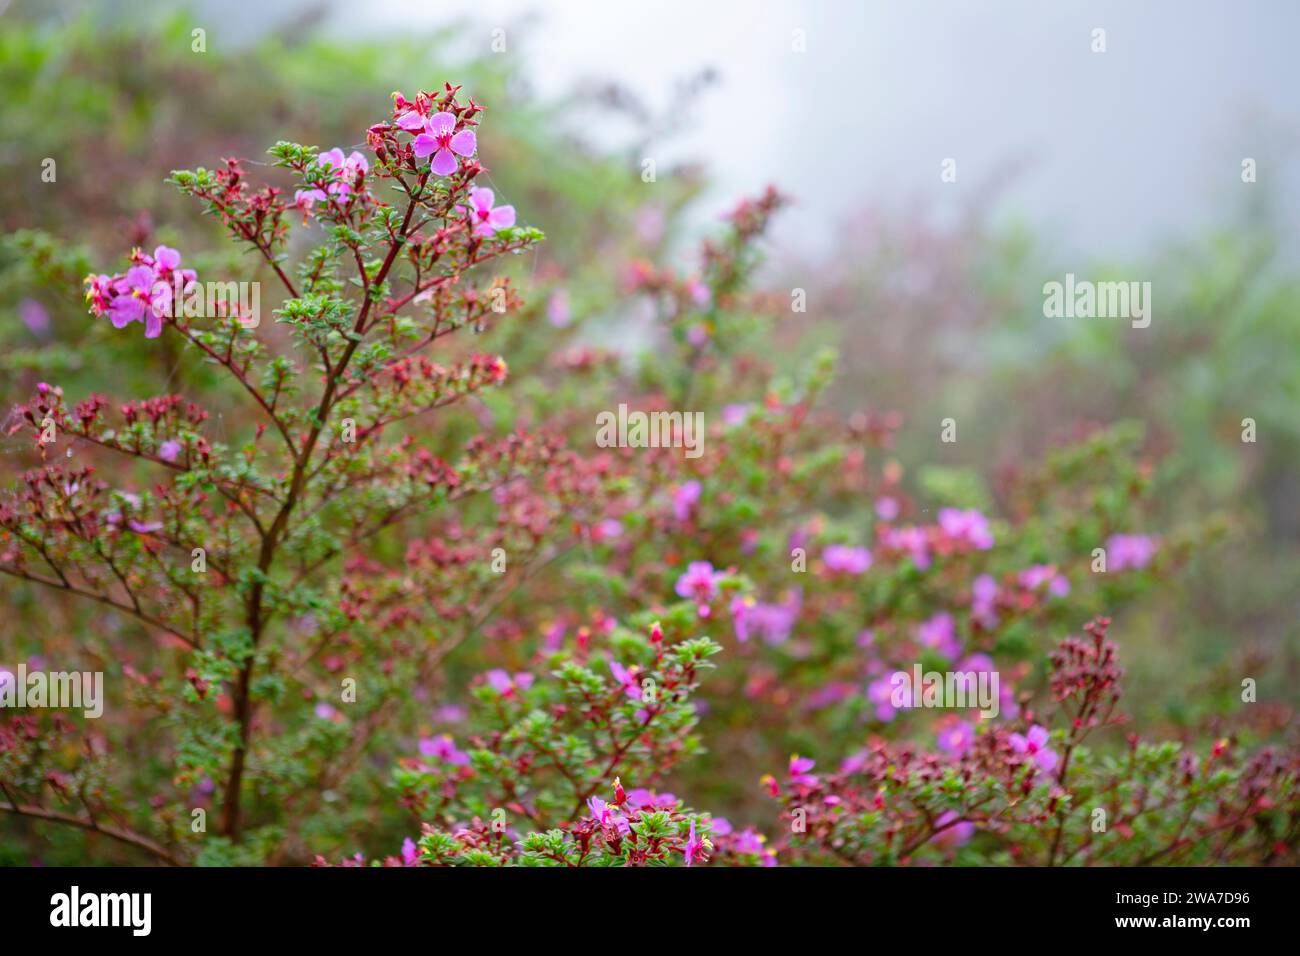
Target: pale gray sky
1114	150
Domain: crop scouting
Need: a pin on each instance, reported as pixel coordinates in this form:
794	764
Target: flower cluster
146	292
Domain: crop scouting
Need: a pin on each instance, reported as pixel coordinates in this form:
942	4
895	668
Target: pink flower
440	139
939	633
735	414
951	833
771	622
444	748
557	309
34	316
881	693
1035	577
957	739
304	199
886	508
140	297
169	450
843	559
631	688
640	798
799	767
1035	744
694	848
700	582
485	218
1129	551
969	526
607	815
984	593
505	685
410	853
685	497
912	540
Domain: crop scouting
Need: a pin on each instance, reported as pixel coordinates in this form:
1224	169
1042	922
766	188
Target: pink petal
1038	735
1018	743
502	216
444	163
440	122
482	198
167	257
411	120
424	145
152	326
464	142
332	159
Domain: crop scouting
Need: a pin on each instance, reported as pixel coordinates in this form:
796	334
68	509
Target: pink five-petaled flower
606	814
169	450
440	139
1035	744
137	300
700	582
485	218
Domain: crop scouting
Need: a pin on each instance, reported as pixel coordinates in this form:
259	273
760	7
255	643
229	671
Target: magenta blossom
558	312
957	739
169	450
1035	744
140	297
410	854
631	688
951	832
1130	551
911	539
799	767
984	593
685	498
444	748
486	219
505	685
881	693
968	526
700	582
1035	577
694	848
640	798
440	139
843	559
939	633
607	815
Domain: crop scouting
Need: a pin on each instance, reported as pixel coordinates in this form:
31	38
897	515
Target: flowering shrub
312	585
